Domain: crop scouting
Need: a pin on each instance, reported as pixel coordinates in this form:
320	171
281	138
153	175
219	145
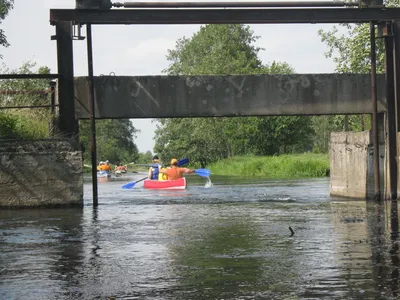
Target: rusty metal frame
29	106
29	76
224	16
235	4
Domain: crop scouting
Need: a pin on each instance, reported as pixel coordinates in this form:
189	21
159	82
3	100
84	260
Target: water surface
229	241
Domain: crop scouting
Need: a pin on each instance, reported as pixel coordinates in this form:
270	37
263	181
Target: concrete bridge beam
241	95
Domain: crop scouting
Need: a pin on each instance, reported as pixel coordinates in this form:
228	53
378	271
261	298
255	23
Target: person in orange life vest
107	167
176	172
100	166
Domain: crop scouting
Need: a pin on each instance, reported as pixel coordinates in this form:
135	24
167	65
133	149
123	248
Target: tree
217	50
114	140
350	50
144	158
289	134
5	7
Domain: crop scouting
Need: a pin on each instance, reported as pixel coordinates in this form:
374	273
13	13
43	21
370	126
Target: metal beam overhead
246	4
225	16
29	76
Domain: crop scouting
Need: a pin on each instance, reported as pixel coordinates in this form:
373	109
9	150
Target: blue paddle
130	185
203	172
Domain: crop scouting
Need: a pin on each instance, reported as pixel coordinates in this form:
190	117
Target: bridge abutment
352	164
41	173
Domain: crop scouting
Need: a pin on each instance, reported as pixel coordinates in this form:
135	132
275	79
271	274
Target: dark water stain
230	241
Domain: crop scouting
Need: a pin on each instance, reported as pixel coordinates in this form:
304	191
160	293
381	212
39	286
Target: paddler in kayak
175	172
107	166
154	170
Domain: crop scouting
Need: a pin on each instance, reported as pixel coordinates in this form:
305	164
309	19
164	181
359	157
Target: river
227	241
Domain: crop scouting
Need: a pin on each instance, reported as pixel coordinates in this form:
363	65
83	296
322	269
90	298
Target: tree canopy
114	140
349	46
226	50
5	7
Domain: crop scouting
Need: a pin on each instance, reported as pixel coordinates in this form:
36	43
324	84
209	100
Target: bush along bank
283	166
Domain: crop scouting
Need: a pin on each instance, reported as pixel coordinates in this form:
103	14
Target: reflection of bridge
171	96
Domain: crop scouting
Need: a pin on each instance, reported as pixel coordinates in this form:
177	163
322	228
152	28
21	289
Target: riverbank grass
283	166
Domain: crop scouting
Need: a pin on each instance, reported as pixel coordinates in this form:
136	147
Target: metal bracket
385	29
77	33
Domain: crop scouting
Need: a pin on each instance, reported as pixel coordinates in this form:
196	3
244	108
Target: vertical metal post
396	51
52	122
391	115
374	114
67	123
93	149
53	97
362	122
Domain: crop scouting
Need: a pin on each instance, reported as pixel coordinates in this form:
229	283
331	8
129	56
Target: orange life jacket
174	173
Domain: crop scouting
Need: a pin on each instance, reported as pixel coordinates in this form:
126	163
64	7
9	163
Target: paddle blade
129	185
183	162
203	172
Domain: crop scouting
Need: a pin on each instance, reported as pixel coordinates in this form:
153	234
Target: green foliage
278	135
216	49
200	139
144	158
8	126
351	50
17	125
226	50
5	7
283	166
114	140
349	46
24	123
324	125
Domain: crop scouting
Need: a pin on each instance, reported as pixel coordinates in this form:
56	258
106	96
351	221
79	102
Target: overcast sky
141	50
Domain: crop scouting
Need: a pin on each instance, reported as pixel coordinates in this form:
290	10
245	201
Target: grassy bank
24	124
283	166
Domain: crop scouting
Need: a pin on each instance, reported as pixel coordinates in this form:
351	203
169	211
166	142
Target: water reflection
39	247
228	241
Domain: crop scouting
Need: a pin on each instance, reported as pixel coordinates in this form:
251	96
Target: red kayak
179	184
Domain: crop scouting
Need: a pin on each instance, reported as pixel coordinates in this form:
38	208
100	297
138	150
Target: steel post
92	113
396	54
391	115
68	125
375	129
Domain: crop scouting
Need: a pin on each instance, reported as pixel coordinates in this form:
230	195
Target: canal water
229	240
